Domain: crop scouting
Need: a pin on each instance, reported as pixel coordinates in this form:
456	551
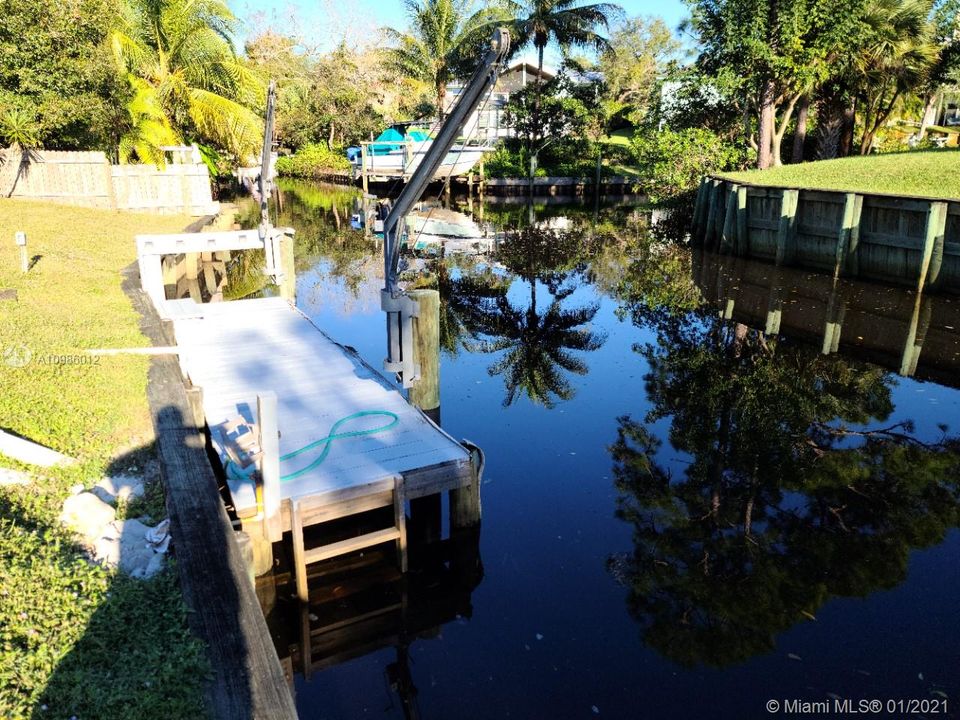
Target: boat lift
400	308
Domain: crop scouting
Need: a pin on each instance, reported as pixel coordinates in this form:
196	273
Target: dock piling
270	464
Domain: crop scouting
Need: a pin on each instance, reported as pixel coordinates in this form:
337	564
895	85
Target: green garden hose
238	474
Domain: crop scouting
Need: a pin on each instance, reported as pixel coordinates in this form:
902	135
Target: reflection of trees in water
538	343
783	504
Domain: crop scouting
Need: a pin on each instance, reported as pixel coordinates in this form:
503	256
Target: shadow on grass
80	640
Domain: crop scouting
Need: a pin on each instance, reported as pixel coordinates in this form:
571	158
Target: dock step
303	557
325	552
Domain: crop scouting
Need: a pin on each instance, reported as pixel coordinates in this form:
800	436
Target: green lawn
75	638
620	137
927	173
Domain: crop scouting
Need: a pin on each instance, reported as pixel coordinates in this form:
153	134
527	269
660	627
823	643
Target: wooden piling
363	169
288	285
729	228
846	227
713	195
787	230
720	216
270	464
932	257
699	208
741	245
425	393
426	512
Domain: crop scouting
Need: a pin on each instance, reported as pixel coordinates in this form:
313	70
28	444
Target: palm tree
186	79
538	22
444	37
21	132
895	59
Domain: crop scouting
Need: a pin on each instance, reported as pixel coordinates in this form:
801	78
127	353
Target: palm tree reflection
538	344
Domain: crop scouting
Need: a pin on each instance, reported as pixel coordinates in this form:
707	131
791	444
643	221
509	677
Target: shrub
313	161
671	162
507	161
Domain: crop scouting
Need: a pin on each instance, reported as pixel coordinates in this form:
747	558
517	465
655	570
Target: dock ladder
318	508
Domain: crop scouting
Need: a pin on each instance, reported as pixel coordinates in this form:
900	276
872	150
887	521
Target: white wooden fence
87	179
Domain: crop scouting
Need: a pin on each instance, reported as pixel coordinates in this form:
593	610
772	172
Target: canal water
710	484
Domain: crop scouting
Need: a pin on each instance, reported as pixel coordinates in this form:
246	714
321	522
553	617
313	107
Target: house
487	123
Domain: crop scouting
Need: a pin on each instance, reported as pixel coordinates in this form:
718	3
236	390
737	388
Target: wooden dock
266	377
234	351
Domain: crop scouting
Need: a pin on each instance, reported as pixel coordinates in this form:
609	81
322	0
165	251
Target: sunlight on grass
928	173
76	639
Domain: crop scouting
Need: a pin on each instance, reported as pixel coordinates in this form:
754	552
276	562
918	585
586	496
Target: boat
435	228
400	149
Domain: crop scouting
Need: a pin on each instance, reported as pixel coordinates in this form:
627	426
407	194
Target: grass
620	137
76	639
926	173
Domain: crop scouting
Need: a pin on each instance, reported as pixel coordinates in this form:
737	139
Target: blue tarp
387	136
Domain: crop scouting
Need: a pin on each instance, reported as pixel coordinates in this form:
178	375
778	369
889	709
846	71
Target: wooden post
742	244
270	464
426	512
260	545
713	193
465	501
288	285
363	168
717	229
727	234
843	236
933	244
425	393
785	235
21	240
192	274
698	209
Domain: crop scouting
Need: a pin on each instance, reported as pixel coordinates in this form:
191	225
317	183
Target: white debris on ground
130	545
87	515
13	477
121	487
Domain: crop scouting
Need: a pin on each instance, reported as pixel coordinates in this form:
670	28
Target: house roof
531	67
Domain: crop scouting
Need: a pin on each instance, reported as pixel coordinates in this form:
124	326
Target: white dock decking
235	350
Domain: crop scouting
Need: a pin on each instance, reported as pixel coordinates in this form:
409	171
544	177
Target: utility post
21	238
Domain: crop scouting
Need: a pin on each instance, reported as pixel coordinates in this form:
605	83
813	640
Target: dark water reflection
710	483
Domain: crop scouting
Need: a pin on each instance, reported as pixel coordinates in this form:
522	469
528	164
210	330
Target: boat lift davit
401	308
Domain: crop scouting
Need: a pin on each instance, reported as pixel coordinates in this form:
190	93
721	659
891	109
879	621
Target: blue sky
323	22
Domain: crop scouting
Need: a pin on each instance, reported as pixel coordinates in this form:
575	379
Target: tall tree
779	49
56	77
946	37
179	53
642	52
442	42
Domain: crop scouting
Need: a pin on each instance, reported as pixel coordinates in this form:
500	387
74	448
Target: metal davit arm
399	308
